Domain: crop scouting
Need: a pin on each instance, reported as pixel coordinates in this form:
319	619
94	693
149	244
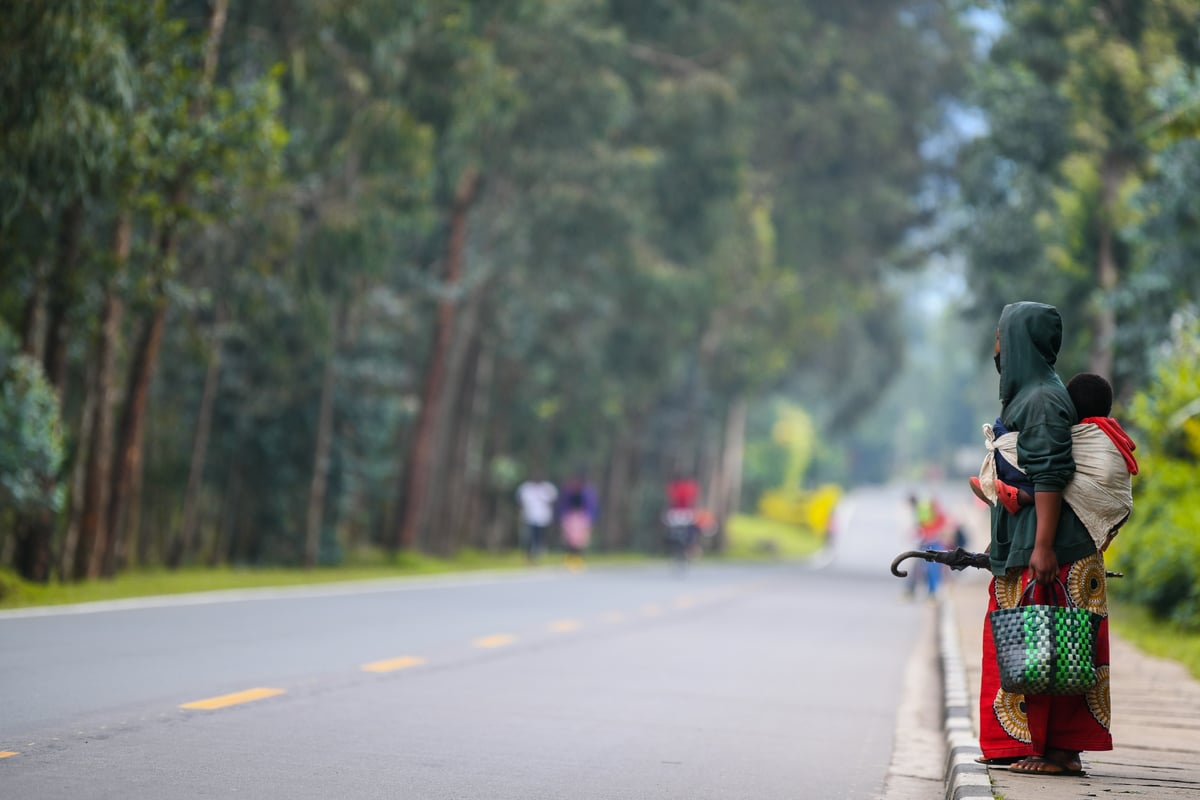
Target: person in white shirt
536	497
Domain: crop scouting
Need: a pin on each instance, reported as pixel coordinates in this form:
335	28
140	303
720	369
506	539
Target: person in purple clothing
577	511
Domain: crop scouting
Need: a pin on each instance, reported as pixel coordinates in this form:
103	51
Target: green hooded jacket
1035	403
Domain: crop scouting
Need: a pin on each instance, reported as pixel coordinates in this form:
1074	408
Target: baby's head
1091	394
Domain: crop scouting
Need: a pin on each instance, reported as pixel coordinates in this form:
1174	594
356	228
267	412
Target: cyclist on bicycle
683	495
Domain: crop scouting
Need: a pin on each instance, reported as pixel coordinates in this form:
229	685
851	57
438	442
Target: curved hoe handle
900	573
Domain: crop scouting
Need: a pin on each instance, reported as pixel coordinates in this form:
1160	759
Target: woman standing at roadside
1046	542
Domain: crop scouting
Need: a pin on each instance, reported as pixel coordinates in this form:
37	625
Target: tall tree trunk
97	480
315	514
1108	272
458	472
615	524
225	540
35	532
32	550
420	460
501	520
725	493
54	353
475	498
127	460
68	556
127	476
447	494
33	316
185	544
132	537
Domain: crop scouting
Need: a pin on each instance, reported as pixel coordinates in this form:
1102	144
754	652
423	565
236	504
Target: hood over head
1030	337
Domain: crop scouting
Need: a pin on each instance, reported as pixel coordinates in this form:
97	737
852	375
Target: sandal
1069	759
1041	765
999	761
977	488
1009	496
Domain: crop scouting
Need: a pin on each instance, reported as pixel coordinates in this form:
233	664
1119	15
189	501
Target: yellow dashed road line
392	664
234	699
8	753
496	640
405	662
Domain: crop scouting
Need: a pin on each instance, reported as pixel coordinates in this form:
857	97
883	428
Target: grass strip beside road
1157	637
750	539
16	593
756	537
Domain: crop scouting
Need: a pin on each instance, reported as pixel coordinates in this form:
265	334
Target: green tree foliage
1166	233
1067	92
457	241
1157	549
31	435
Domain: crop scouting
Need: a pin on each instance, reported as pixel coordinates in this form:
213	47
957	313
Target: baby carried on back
1101	491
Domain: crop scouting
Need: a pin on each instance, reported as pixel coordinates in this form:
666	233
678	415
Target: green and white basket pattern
1043	649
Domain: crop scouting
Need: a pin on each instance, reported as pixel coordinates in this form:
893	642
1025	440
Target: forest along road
775	681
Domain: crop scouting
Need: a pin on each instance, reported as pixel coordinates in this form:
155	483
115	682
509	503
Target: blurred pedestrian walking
577	511
682	530
536	497
933	532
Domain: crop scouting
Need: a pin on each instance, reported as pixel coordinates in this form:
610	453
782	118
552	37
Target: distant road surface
732	681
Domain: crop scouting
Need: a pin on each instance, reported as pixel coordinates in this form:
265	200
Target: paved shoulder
1156	720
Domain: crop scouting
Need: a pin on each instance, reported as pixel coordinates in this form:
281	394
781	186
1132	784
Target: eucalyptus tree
65	86
1166	233
65	91
831	106
325	245
532	232
561	191
207	139
1067	93
31	456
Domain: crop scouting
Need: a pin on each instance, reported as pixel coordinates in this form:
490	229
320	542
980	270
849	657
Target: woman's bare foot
1068	758
1055	762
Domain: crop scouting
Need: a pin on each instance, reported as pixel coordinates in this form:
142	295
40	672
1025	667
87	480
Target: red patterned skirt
1023	725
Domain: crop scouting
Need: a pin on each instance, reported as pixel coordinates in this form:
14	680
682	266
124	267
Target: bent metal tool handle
956	559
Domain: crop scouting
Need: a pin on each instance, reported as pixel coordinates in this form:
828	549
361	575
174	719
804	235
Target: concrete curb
965	777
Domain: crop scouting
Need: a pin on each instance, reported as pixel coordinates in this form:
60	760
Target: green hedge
31	438
1159	548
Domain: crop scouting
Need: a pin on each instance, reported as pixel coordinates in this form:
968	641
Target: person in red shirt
683	493
683	496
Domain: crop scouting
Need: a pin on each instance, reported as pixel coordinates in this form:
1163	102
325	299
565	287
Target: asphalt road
769	681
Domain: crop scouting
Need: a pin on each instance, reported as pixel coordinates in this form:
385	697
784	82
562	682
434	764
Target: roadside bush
1159	549
31	438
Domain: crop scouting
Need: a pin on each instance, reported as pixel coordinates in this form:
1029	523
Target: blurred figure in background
933	528
683	496
536	497
577	511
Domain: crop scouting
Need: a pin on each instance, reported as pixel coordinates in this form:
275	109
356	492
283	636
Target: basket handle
1027	593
